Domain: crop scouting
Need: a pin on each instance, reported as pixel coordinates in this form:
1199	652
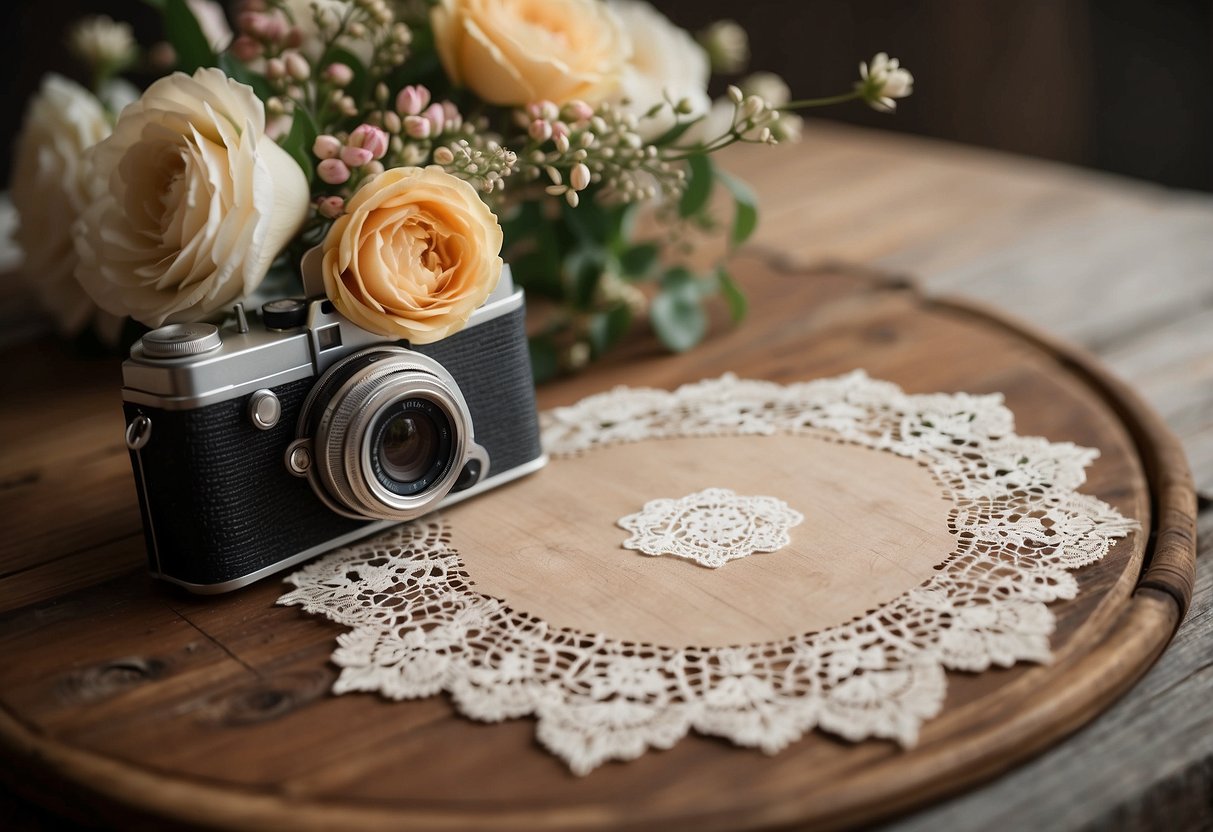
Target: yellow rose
416	252
519	51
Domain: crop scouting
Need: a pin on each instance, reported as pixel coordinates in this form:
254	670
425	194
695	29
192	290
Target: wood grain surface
1119	267
144	702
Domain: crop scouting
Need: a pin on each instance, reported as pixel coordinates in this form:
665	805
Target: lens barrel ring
343	408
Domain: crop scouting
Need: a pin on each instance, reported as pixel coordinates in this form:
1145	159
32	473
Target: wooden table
1121	268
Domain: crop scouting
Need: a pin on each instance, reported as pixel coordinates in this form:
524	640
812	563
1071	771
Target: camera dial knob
284	313
180	340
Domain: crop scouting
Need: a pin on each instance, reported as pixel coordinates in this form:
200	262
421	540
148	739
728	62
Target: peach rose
415	253
518	51
194	202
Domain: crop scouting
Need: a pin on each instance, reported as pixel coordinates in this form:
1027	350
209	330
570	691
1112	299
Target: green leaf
623	224
733	296
237	71
583	268
699	185
677	312
545	362
745	216
675	133
638	261
607	328
185	35
299	142
590	223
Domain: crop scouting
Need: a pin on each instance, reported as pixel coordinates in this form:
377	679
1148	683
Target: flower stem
829	100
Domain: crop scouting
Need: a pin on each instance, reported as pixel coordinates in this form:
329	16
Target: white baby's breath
727	45
105	45
882	81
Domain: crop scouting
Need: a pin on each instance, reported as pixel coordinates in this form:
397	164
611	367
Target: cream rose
416	252
197	202
519	51
666	64
50	187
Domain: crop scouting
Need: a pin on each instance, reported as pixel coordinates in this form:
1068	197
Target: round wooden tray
132	702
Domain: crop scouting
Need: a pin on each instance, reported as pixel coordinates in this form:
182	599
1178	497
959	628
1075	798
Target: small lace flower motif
711	527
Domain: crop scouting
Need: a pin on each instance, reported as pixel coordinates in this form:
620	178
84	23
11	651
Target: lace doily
418	626
711	527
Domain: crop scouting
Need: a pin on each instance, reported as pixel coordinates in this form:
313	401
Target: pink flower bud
339	74
333	172
370	138
326	146
355	157
162	56
275	27
251	22
543	109
560	129
330	206
579	111
297	66
412	100
451	113
540	130
436	116
579	177
294	38
275	69
416	127
246	49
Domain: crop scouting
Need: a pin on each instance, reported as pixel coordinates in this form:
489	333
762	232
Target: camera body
273	440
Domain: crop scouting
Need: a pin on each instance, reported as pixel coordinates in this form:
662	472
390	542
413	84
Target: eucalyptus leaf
677	314
185	35
700	176
590	223
583	268
733	296
608	328
638	261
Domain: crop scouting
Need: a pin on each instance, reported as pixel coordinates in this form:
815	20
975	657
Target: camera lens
408	447
390	432
413	442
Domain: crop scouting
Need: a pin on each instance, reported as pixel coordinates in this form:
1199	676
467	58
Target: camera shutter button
264	409
180	340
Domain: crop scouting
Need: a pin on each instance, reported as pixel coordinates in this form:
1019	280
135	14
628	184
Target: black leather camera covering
217	493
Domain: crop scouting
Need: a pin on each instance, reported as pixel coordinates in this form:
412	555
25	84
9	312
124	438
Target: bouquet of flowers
418	144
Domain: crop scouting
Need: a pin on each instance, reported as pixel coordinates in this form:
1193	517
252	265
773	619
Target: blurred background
1118	85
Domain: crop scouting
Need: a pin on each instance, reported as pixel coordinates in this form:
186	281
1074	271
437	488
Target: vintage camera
274	439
